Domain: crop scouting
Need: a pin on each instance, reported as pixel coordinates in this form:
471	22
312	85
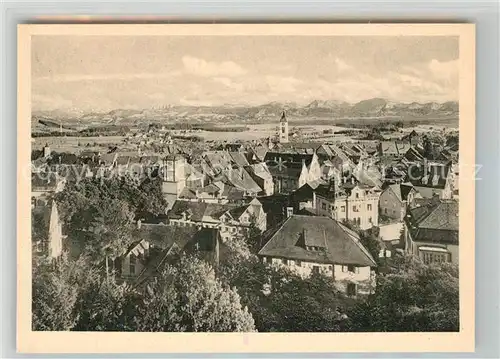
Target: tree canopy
411	297
185	296
99	214
279	300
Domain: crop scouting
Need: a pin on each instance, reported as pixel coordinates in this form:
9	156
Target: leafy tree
99	215
278	299
188	297
369	240
151	197
312	304
53	295
105	305
412	297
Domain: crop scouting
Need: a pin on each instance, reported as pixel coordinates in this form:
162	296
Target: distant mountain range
373	108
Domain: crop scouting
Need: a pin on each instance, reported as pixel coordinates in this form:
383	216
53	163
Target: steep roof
259	169
434	220
340	246
240	179
335	151
401	190
283	117
431	174
397	148
239	158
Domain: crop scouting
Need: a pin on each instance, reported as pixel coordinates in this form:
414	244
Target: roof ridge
277	228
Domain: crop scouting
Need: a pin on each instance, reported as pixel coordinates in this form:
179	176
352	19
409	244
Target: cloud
444	70
200	67
106	77
282	84
342	66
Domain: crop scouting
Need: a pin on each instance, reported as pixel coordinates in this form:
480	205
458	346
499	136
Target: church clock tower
283	129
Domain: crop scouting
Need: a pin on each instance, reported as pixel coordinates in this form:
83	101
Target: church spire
283	117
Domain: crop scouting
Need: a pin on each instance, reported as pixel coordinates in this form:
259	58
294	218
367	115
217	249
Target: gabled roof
239	158
167	240
259	152
401	190
288	240
260	169
335	151
240	179
434	220
203	211
396	148
431	174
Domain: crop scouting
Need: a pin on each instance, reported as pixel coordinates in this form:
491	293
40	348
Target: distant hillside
329	109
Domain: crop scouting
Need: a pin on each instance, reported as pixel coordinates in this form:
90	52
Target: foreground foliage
73	295
412	297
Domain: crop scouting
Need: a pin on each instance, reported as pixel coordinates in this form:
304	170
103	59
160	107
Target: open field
313	132
77	144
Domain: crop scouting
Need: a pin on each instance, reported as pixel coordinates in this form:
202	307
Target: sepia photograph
248	181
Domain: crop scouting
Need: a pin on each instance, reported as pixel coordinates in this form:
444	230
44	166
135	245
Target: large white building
308	244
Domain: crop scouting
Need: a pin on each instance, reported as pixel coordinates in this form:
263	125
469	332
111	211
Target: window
369	207
342	208
370	219
351	268
298	263
344	269
315	269
132	265
323	205
351	289
357	195
354	209
385	210
284	261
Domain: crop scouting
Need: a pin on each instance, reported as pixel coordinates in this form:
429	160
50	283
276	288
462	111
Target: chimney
289	212
241	172
139	224
352	180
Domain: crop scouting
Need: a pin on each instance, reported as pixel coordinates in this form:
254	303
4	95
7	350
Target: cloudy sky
104	72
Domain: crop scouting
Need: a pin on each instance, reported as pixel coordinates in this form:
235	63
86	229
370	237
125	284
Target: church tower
283	129
174	177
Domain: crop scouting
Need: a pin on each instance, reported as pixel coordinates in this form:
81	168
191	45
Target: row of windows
290	262
350	268
432	257
356	208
